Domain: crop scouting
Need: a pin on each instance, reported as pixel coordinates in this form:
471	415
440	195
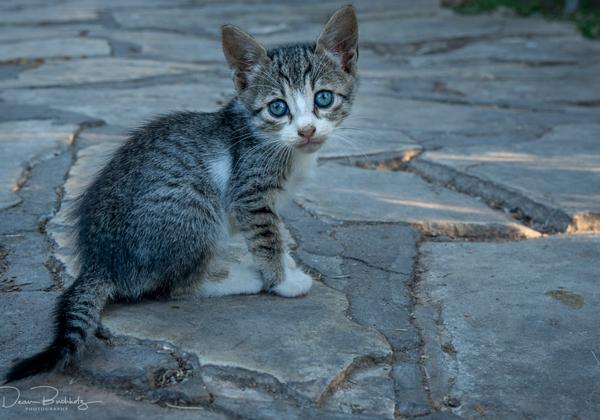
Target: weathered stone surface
554	180
91	402
445	26
368	143
94	70
171	46
69	12
129	107
27	142
515	333
375	196
435	124
310	340
369	391
16	33
410	395
26	326
57	47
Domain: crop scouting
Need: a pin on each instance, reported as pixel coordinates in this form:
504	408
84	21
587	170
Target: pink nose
307	131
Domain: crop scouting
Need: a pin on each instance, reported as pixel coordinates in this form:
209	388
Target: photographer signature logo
48	399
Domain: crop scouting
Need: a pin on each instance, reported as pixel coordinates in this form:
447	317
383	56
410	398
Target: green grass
586	18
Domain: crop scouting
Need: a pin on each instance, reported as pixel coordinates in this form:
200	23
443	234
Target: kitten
153	218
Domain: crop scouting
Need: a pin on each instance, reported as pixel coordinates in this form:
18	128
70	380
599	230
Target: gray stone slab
350	140
26	326
554	180
348	193
25	143
169	46
310	340
67	12
444	26
129	107
91	402
263	19
16	33
56	47
515	334
445	123
367	391
94	70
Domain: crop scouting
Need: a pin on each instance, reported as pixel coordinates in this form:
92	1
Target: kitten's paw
296	283
240	281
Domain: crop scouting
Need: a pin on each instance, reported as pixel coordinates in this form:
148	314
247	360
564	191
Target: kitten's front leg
277	269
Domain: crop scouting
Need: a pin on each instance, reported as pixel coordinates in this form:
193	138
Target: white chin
310	147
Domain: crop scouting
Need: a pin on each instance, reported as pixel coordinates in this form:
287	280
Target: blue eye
324	98
278	108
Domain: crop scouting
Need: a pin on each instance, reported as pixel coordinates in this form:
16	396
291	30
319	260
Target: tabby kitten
153	218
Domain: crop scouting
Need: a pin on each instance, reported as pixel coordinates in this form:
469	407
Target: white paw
241	280
296	283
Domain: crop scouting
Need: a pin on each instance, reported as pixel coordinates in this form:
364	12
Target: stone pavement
452	228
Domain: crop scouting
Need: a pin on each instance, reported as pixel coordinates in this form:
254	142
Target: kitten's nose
307	131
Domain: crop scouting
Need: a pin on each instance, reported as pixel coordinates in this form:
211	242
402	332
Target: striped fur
155	216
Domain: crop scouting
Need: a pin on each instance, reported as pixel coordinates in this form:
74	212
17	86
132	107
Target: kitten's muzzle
310	145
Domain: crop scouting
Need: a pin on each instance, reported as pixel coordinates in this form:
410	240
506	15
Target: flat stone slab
353	194
56	47
369	390
76	400
170	46
24	330
438	122
95	70
48	14
559	173
447	25
129	107
304	342
516	333
27	142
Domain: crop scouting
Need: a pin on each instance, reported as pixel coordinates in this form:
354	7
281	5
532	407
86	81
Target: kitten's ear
339	39
243	54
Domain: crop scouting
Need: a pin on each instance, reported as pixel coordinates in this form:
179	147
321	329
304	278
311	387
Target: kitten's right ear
243	54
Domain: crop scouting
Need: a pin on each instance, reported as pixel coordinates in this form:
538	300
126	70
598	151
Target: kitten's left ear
339	39
243	53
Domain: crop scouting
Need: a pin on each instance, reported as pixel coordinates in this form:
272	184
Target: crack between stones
413	285
357	364
387	270
413	165
379	160
53	264
525	210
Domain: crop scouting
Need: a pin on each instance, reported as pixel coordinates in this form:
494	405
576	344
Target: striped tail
77	316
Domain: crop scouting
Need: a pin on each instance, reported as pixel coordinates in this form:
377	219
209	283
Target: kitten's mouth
310	145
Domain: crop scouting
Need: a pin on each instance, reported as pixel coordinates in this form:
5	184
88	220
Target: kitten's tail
77	316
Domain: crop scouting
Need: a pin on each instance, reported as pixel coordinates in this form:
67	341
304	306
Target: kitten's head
297	94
